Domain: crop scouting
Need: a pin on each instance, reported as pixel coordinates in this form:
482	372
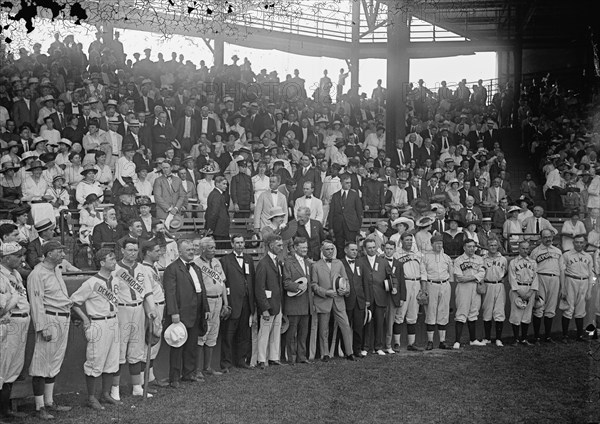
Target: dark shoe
16	415
190	379
396	348
537	342
94	404
325	358
58	408
261	365
565	340
174	384
443	346
159	383
212	372
151	390
42	414
413	348
110	401
245	366
429	346
276	363
526	343
513	344
291	363
350	357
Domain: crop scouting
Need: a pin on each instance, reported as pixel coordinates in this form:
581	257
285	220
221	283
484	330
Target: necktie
537	226
60	120
328	260
188	265
308	197
343	197
274	191
351	261
239	256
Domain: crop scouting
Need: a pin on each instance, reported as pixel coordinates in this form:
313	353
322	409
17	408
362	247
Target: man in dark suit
316	235
345	214
186	302
427	151
187	129
470	212
25	110
359	298
306	172
413	191
241	191
268	295
45	230
162	135
314	138
411	149
291	125
216	216
207	125
398	157
108	231
376	272
298	303
59	117
236	337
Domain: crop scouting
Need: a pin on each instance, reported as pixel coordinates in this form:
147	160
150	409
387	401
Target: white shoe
389	351
476	343
486	341
456	345
363	352
499	343
140	393
381	352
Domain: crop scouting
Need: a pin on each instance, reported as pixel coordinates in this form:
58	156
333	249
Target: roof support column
398	66
355	51
219	51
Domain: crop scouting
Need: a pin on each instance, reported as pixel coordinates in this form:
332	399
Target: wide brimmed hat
58	177
424	221
176	335
43	225
38	140
514	209
47	157
91	198
406	221
128	148
36	164
128	190
88	168
300	291
176	223
455	216
276	211
421	206
208	169
7	166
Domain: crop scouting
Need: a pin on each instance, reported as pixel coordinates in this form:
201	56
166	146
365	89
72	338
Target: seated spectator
528	187
453	236
73	170
88	185
89	217
10	186
512	230
143	185
453	196
104	177
59	199
106	233
571	228
145	205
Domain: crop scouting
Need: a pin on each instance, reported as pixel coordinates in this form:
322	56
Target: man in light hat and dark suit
45	230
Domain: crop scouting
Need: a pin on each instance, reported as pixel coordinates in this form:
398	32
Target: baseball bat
147	369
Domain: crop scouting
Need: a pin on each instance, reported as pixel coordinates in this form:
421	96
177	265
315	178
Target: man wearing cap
548	260
524	284
468	272
414	277
328	298
577	279
45	230
14	322
439	274
494	299
50	312
99	296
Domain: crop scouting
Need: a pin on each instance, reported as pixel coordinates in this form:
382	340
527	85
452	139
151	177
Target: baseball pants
520	316
132	324
103	349
236	338
437	310
269	338
494	302
214	323
548	290
160	310
410	308
13	338
576	292
468	302
296	336
341	319
48	356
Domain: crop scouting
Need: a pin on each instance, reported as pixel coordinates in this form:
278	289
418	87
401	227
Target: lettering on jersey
546	256
524	265
489	263
212	273
469	265
18	288
135	284
408	258
107	294
578	260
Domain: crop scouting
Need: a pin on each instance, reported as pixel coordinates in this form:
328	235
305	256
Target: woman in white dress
513	227
143	184
93	140
89	217
205	185
105	175
570	229
73	170
260	181
34	192
525	212
88	185
375	141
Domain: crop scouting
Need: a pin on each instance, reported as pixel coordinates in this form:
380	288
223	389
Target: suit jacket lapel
183	269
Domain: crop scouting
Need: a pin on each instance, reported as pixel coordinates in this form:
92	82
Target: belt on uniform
115	154
25	315
59	314
523	284
438	282
547	274
575	277
160	303
213	297
132	305
102	318
493	282
412	279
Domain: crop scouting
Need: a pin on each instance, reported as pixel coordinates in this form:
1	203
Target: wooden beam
207	42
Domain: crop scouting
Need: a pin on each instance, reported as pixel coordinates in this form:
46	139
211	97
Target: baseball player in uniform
523	280
14	323
135	300
577	277
397	299
468	271
414	274
216	292
547	258
494	299
101	329
151	252
50	313
438	276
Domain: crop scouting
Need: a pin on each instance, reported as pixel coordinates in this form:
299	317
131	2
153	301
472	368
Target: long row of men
127	304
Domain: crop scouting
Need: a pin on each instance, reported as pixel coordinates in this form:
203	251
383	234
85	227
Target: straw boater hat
424	221
276	211
406	221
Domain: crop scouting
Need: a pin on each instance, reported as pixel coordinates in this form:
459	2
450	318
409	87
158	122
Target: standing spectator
345	215
217	205
168	193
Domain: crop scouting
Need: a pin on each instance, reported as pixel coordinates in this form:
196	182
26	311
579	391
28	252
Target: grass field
546	384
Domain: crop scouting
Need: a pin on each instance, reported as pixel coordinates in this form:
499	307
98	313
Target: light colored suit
322	280
315	205
168	195
494	197
263	207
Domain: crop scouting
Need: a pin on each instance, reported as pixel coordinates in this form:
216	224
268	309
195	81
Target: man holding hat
50	313
524	284
99	296
14	322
